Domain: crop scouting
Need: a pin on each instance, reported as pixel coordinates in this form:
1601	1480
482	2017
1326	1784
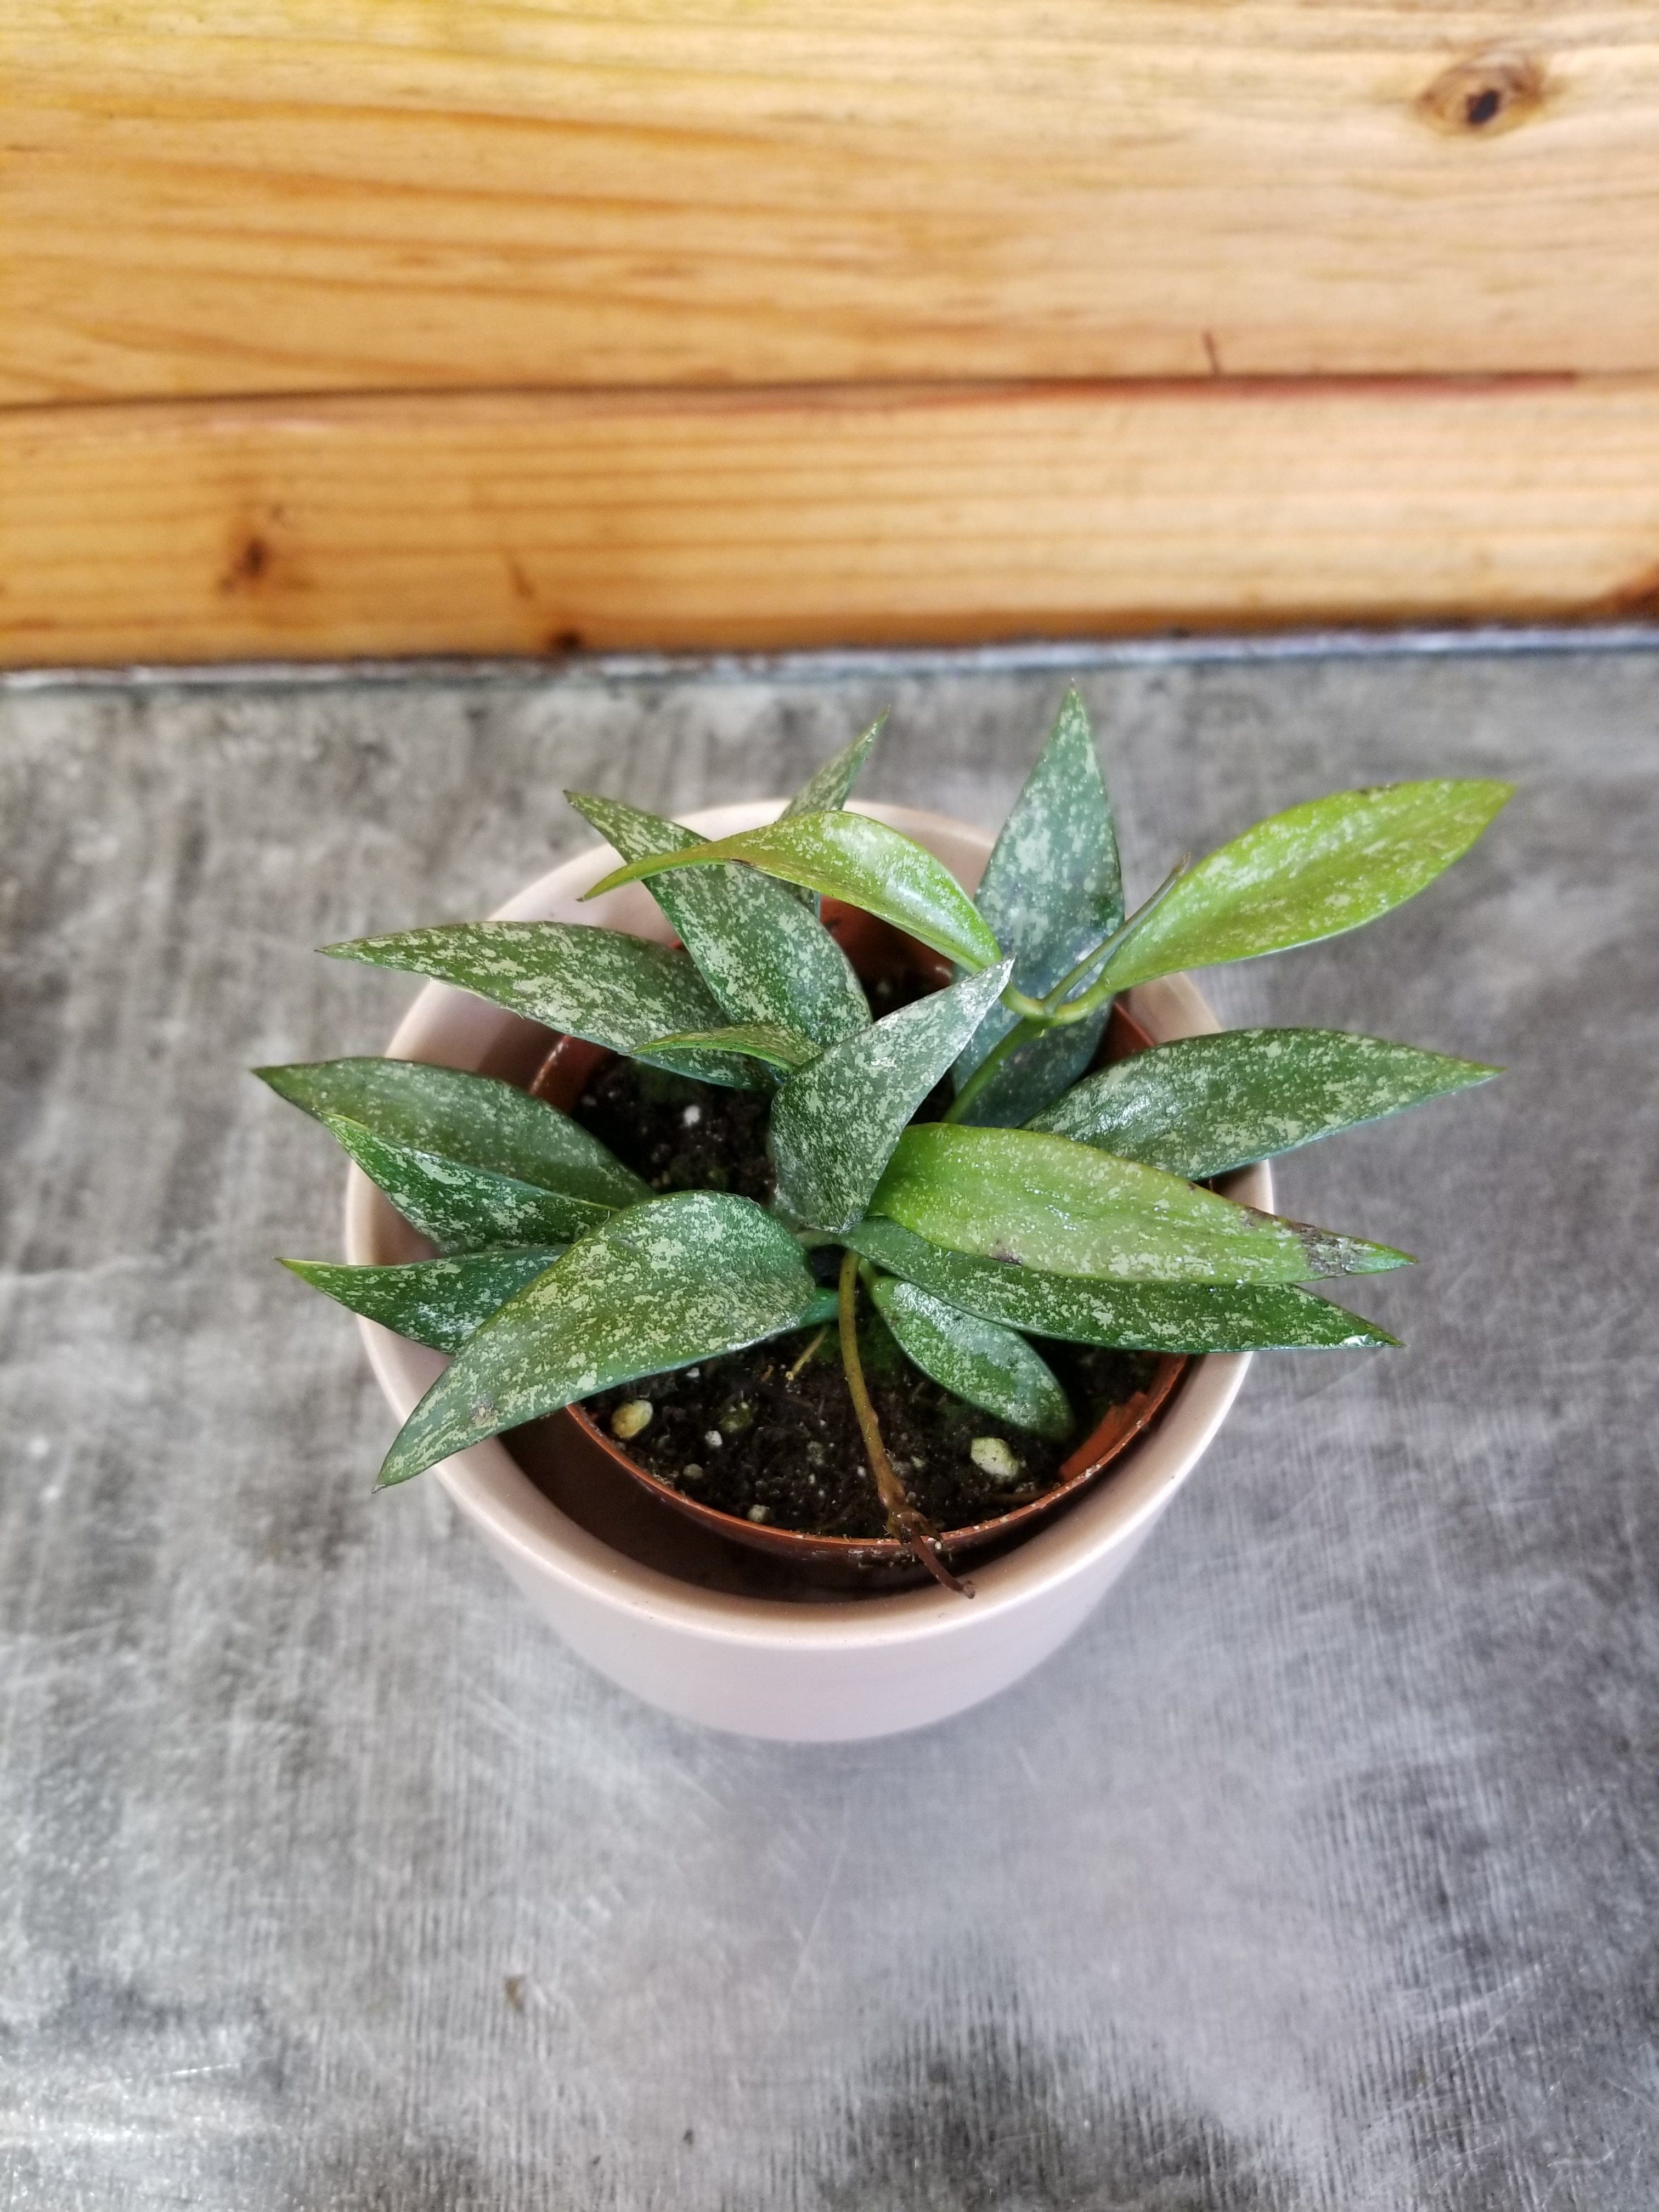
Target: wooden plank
509	523
326	195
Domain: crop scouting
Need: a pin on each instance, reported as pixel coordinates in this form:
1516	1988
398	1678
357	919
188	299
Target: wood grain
509	523
278	195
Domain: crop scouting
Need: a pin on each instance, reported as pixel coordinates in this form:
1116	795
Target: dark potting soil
769	1434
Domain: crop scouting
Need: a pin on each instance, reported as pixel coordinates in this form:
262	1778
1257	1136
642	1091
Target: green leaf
1052	888
763	957
1207	1103
680	1279
829	787
768	1041
1043	1202
460	1208
974	1359
1307	874
435	1301
824	1308
834	1125
853	858
614	990
1190	1318
471	1119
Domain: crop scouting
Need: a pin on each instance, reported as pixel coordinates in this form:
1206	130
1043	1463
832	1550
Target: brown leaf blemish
1484	95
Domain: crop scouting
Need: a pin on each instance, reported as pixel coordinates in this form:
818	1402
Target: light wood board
278	195
509	523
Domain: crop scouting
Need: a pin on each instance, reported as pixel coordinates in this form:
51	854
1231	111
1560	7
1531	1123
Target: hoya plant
958	1171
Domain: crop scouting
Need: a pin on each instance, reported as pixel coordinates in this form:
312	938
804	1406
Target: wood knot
1484	96
248	563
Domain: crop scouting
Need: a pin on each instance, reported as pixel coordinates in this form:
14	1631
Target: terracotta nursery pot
760	1630
859	1562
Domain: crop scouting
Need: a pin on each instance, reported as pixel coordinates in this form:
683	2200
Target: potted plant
861	1221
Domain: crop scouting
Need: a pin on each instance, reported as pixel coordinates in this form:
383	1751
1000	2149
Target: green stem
987	1067
904	1524
1056	1011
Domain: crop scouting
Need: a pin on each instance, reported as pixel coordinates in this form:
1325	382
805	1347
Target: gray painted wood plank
1317	1872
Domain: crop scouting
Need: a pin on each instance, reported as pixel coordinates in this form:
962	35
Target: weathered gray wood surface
1317	1875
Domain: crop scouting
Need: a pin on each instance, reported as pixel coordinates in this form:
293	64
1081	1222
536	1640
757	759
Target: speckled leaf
976	1360
1130	1316
764	958
853	858
829	787
1051	889
680	1279
1310	873
435	1301
1045	1202
460	1208
471	1119
768	1041
1207	1103
613	989
834	1125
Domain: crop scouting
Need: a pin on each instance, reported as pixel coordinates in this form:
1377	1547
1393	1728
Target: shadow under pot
576	1458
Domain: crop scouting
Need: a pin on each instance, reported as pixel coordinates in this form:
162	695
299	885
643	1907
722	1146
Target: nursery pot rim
545	1550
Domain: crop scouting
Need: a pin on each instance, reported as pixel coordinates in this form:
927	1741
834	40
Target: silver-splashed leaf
764	958
854	858
1192	1318
682	1279
471	1119
1308	873
434	1301
976	1360
1205	1104
834	1125
1043	1202
613	989
460	1208
768	1041
1052	888
829	786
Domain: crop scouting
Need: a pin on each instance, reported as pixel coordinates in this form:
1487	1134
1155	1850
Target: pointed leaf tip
677	1279
1189	1317
827	786
1203	1105
1041	1201
1311	872
764	958
613	989
439	1302
1052	890
976	1360
835	1123
852	857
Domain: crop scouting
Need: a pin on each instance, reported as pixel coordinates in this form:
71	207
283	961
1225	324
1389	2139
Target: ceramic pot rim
489	1487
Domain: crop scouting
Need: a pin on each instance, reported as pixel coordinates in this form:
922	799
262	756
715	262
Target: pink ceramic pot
701	1631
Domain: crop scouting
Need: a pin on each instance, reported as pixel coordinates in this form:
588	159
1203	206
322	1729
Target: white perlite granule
992	1457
